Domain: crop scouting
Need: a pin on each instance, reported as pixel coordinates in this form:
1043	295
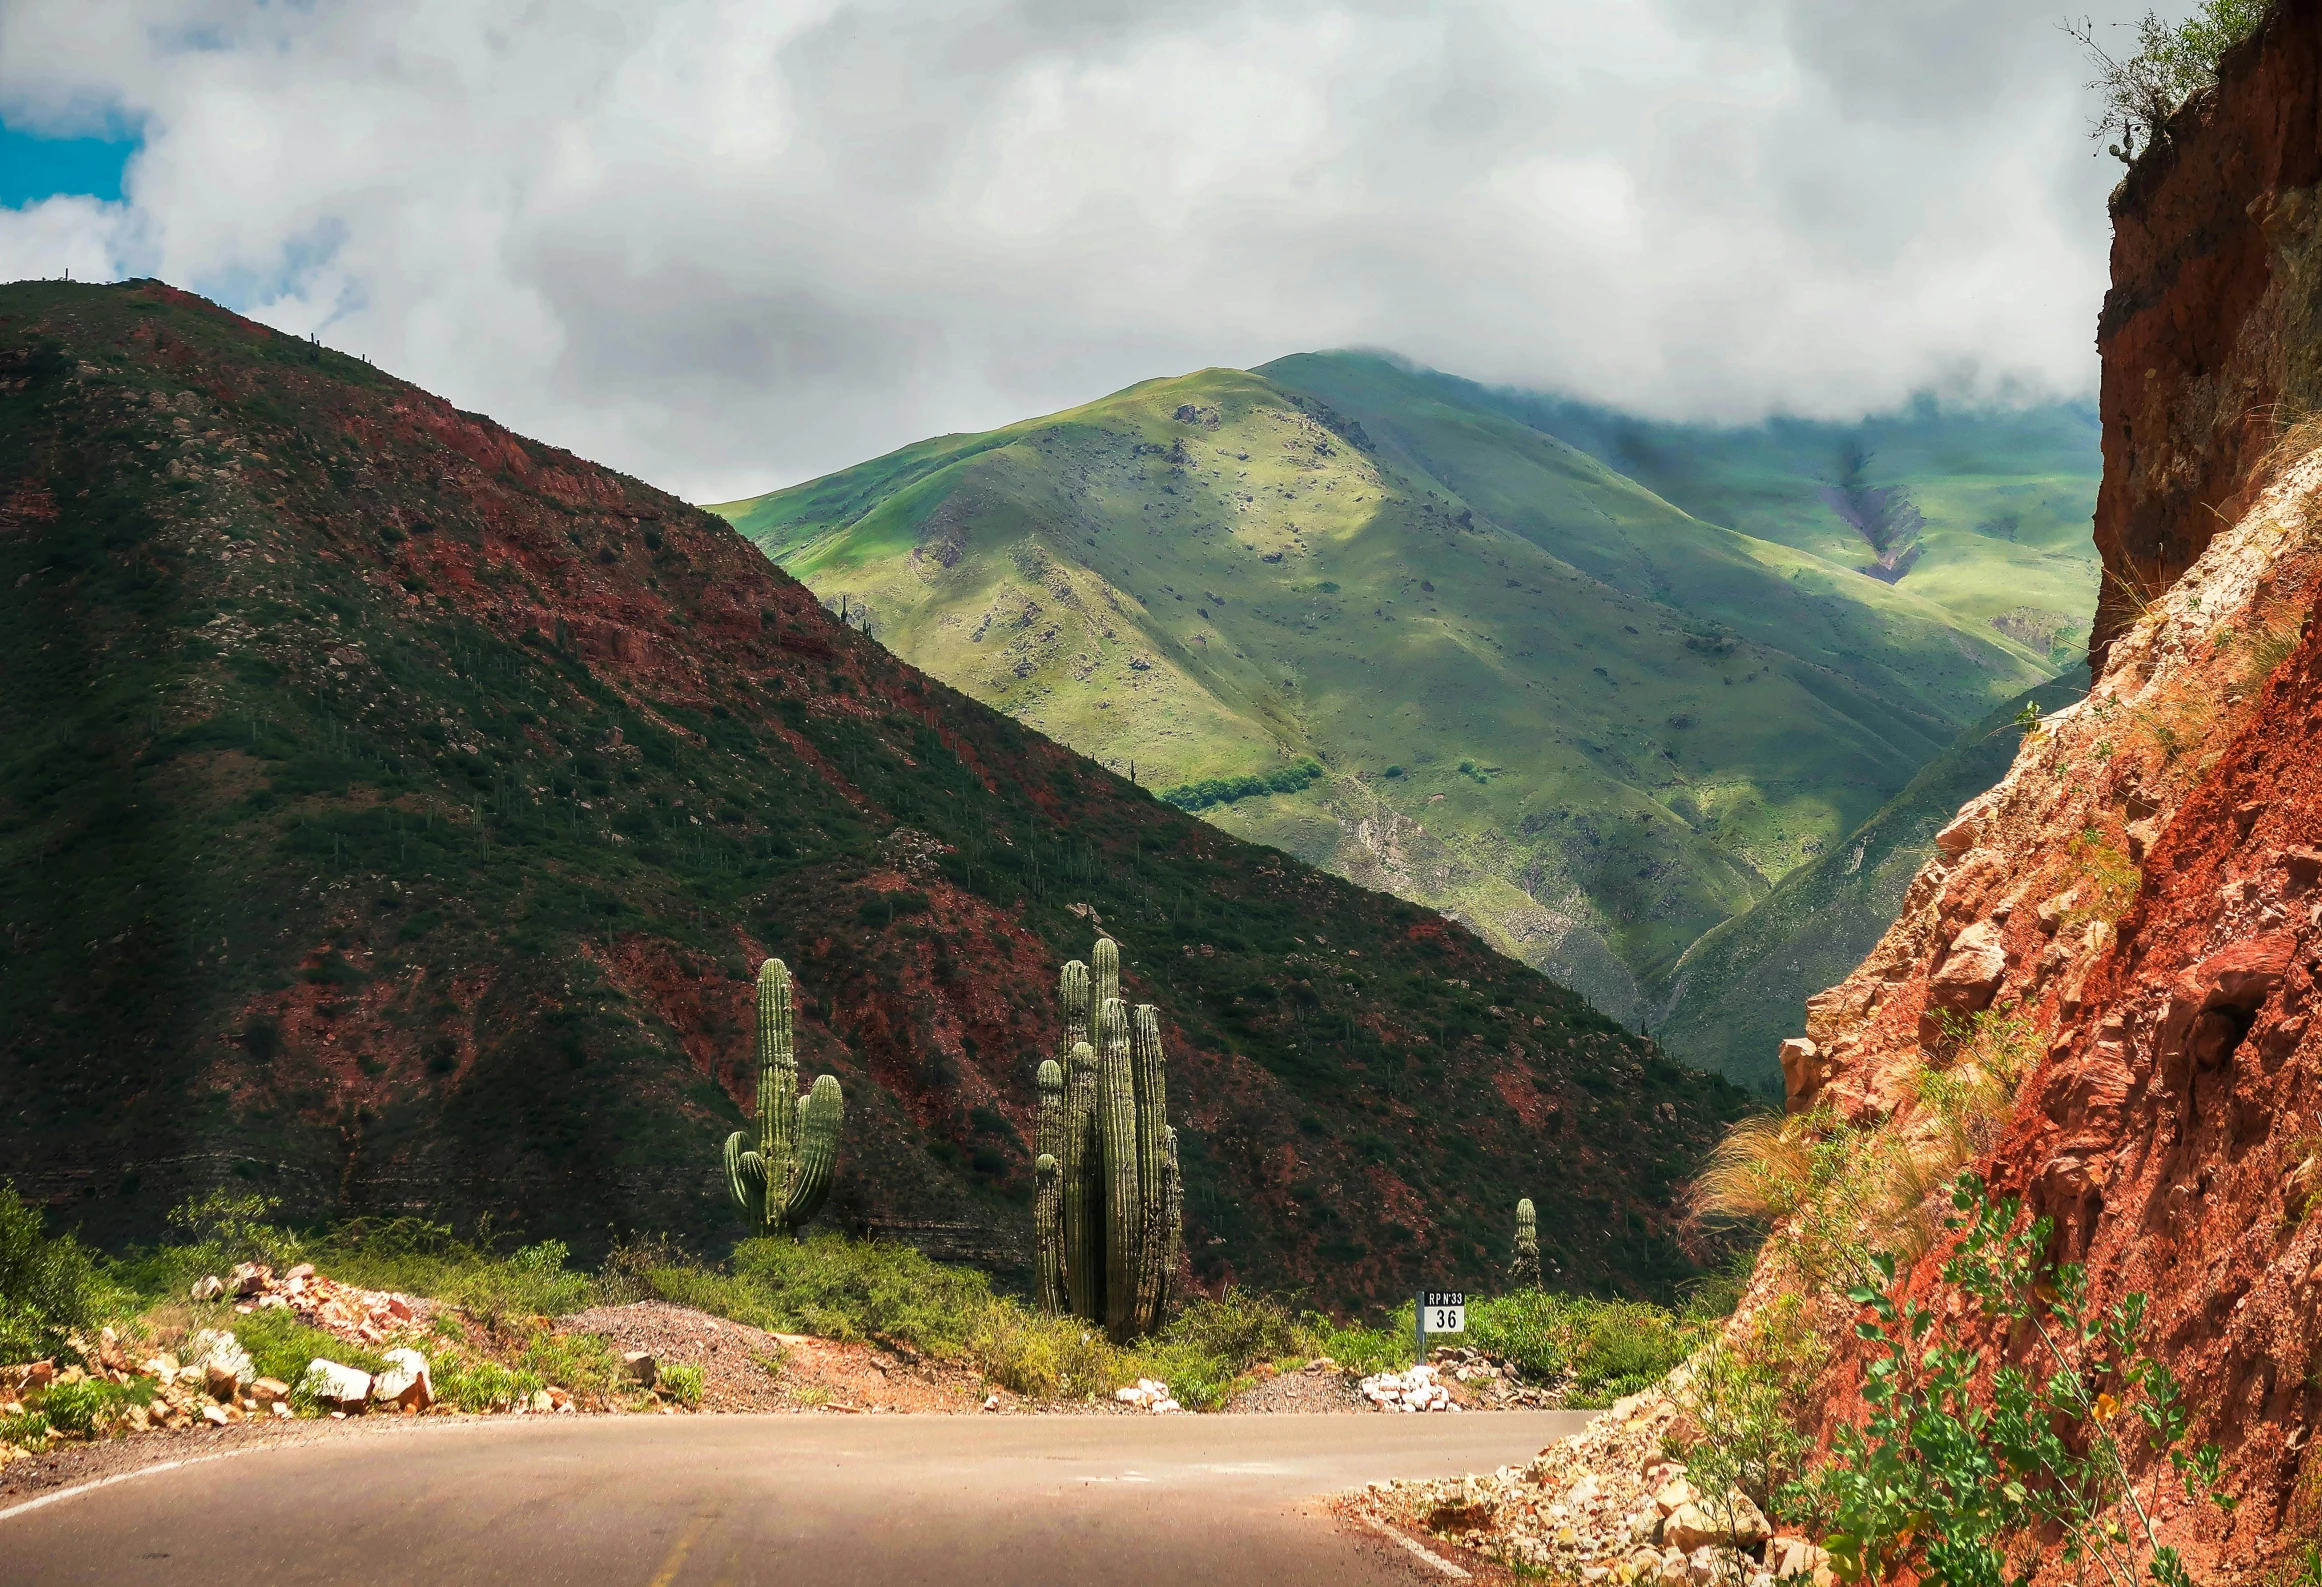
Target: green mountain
1742	988
1378	618
1985	513
394	811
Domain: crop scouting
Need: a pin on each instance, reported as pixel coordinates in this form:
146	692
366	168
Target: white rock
209	1288
215	1349
342	1388
405	1384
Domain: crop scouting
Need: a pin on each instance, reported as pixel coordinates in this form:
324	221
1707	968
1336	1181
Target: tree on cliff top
2171	63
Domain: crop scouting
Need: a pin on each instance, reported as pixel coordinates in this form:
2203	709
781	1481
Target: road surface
730	1501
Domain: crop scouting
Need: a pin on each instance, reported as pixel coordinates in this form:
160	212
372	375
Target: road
1210	1501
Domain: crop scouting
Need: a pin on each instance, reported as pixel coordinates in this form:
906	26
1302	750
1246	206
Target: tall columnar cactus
784	1182
1114	1235
1048	1191
1524	1271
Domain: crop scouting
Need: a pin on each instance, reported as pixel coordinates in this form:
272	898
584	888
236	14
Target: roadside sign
1444	1310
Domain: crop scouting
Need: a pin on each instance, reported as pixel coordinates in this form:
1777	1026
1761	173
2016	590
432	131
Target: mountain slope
1742	988
393	811
1532	692
1983	513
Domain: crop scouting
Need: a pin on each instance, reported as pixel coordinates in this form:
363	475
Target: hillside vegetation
1742	988
1532	692
394	812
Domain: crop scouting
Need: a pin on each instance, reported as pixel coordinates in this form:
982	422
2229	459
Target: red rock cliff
2212	331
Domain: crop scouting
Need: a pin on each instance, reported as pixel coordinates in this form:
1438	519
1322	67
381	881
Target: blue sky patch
33	168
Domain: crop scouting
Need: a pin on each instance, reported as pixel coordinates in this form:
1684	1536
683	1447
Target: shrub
2141	91
1948	1483
683	1382
46	1285
84	1408
1599	1349
26	1430
1747	1395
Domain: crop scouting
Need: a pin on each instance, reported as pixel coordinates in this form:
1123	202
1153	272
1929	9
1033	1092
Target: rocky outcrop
2141	897
2212	332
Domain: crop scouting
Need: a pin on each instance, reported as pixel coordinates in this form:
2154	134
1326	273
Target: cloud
730	243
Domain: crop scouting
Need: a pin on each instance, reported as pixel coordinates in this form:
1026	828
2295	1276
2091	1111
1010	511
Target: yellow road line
676	1560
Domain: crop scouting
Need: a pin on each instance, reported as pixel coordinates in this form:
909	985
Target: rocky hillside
393	811
2134	914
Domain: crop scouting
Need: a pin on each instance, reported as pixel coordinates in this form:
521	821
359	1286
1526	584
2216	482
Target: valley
1396	625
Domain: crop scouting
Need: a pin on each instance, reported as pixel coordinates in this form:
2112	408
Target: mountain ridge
393	811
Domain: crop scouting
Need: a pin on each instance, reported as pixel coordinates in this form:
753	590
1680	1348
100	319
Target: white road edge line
1392	1535
79	1488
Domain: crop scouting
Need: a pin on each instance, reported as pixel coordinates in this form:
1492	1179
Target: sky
729	244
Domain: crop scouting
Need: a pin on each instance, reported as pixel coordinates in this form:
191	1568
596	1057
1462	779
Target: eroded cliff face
2212	331
2136	909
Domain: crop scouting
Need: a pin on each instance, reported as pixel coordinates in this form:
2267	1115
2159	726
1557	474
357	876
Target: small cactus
1524	1271
784	1182
1115	1235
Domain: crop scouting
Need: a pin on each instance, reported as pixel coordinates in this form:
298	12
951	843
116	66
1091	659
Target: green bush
26	1430
1957	1476
1604	1348
46	1286
838	1288
684	1383
2143	90
83	1408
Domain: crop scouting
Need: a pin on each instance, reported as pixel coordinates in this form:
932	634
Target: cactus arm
1072	1002
1172	1226
1081	1188
1123	1207
1048	1233
1150	1082
1105	969
821	1112
746	1180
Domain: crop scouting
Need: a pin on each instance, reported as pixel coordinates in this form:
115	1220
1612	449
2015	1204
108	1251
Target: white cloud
729	243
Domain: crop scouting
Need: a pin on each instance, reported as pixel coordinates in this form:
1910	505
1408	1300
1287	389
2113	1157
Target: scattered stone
342	1388
215	1360
405	1383
1149	1394
1415	1390
270	1391
209	1287
640	1367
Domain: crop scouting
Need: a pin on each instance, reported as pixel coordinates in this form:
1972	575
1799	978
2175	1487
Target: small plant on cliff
2109	879
2143	90
1958	1475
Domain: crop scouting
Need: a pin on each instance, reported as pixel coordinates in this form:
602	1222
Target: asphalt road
1211	1501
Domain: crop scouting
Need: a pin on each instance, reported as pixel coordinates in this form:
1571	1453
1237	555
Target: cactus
1048	1192
784	1182
1109	1234
1524	1271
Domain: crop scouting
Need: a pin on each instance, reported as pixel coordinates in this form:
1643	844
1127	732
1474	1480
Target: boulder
208	1288
1731	1522
269	1391
640	1368
222	1362
247	1279
1801	1060
405	1383
336	1387
1795	1556
1970	972
1957	838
